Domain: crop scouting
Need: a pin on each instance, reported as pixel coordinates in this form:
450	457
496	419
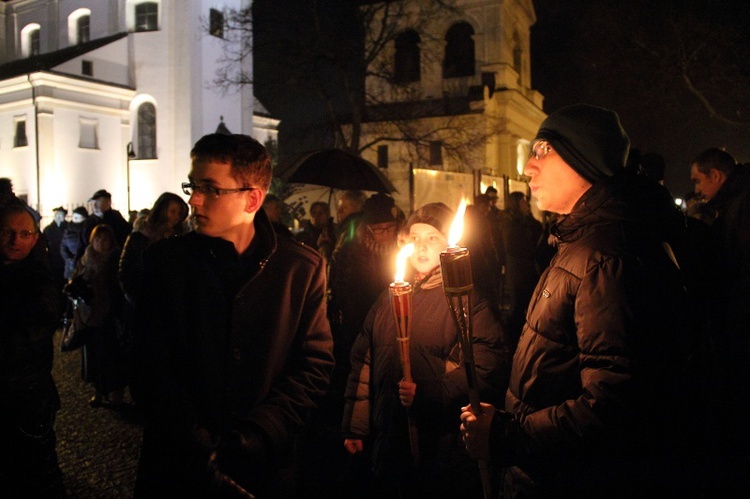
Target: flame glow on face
403	255
457	227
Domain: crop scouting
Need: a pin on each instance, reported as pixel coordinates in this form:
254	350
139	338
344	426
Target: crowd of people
609	347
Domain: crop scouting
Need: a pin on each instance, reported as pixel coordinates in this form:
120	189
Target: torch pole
455	265
401	296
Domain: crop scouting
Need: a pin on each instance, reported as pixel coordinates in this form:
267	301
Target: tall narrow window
382	156
87	68
407	58
35	42
83	33
20	139
216	21
436	152
459	51
88	134
147	131
147	16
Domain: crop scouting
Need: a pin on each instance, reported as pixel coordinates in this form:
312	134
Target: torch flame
403	254
457	227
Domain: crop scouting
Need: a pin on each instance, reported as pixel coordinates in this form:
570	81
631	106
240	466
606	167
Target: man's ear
717	175
254	200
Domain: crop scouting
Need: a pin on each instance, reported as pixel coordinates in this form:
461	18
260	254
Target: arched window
146	131
79	26
31	40
407	62
147	16
83	33
459	51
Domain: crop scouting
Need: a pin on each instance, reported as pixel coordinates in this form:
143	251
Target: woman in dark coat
165	219
102	358
375	413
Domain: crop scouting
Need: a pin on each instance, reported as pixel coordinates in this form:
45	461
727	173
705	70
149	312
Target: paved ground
97	448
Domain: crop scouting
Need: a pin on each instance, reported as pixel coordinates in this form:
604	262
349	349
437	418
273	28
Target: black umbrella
337	169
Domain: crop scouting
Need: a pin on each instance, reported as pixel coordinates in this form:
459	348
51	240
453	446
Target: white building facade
113	94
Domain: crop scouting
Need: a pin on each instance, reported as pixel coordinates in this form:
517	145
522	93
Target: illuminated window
147	16
407	58
146	131
459	51
30	40
216	23
20	139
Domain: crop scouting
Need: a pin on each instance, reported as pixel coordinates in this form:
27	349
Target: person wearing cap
104	214
54	234
375	417
73	242
360	269
597	402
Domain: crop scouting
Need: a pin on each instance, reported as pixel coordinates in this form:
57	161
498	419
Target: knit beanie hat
81	211
436	214
379	208
588	138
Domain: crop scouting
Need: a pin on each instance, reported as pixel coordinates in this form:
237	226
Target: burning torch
401	294
455	265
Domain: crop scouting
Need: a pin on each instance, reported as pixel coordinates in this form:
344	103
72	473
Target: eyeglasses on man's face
210	191
382	229
540	149
7	233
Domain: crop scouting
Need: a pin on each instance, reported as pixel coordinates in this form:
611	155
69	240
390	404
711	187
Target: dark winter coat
29	315
596	373
373	411
114	219
231	353
72	246
54	235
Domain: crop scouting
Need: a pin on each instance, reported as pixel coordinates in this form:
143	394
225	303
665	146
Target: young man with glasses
233	347
29	315
597	395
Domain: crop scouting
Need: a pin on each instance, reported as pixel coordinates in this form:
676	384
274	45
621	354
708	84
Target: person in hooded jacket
375	415
597	402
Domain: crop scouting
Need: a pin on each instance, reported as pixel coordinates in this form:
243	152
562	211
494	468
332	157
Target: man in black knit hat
596	374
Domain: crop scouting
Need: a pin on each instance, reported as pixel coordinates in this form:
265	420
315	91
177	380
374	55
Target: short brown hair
248	159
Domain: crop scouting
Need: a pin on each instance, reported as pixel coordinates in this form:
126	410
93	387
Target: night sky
631	56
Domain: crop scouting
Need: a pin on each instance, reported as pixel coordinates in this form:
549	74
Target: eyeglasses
6	233
540	150
381	230
190	188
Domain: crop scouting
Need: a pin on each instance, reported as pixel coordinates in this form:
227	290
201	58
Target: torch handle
403	350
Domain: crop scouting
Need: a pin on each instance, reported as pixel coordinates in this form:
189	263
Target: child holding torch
377	396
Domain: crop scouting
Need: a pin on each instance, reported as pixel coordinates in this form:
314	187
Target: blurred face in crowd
345	208
102	204
102	243
384	233
78	218
706	185
18	235
318	216
273	210
556	186
230	214
59	217
174	213
428	243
